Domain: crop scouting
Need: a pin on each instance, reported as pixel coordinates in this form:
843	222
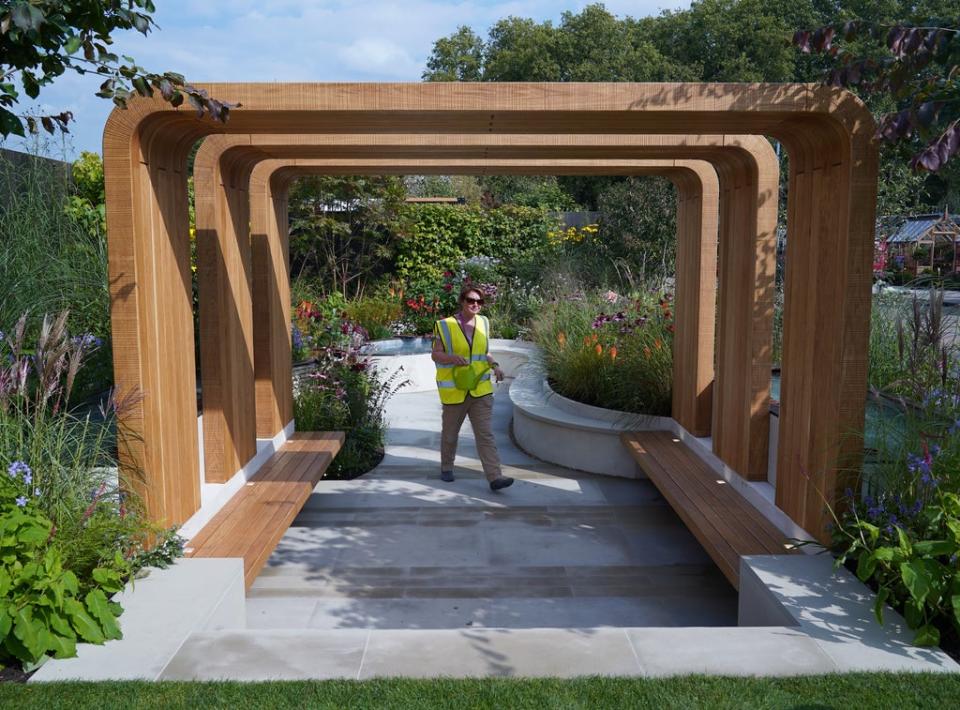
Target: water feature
398	346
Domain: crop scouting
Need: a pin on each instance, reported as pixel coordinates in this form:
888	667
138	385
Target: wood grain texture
741	158
225	280
824	131
725	524
252	523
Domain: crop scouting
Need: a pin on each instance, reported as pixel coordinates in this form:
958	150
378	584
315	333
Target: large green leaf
108	579
955	603
927	635
866	566
6	621
913	613
933	548
28	632
60	625
916	579
99	607
880	603
62	647
86	627
4	582
70	582
905	545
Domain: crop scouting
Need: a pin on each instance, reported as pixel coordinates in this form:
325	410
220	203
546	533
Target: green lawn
850	692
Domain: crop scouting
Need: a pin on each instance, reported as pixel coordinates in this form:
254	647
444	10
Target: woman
459	341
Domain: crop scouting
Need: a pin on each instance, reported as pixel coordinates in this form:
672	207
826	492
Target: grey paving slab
834	609
511	613
293	613
376	492
160	612
413	436
482	653
773	651
268	655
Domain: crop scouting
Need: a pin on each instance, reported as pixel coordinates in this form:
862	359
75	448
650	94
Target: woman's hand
498	373
458	361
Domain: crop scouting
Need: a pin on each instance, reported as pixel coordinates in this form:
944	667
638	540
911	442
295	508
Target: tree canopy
918	101
41	40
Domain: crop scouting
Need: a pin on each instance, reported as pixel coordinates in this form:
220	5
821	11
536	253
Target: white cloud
379	56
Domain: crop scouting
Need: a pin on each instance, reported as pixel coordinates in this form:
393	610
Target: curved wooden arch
697	212
748	189
827	134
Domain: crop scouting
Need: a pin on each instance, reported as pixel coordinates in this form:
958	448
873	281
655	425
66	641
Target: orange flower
613	352
392	292
657	344
599	349
562	339
587	341
646	352
594	337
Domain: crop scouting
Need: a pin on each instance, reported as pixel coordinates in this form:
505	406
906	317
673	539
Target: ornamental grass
610	351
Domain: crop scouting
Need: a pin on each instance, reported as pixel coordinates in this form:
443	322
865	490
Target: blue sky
295	40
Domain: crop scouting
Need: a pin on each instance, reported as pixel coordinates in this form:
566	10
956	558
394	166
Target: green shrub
74	478
619	361
436	238
342	394
43	609
902	534
377	316
51	259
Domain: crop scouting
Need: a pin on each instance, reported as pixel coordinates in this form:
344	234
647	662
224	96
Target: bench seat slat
752	536
725	524
686	508
255	519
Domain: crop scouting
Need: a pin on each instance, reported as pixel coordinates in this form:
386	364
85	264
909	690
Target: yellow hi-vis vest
455	343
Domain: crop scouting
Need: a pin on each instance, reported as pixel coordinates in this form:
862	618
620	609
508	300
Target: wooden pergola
827	135
224	165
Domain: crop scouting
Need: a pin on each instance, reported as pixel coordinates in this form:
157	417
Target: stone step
487	582
303	612
633	516
281	654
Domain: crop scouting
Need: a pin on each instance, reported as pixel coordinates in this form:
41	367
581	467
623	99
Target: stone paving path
400	549
562	574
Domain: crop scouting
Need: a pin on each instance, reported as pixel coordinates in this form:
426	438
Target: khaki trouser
480	411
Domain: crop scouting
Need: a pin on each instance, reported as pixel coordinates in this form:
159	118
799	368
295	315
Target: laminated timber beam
748	191
268	184
827	133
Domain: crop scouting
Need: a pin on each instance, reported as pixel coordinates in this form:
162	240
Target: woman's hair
470	288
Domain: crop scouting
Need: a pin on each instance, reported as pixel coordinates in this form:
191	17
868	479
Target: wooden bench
720	518
252	523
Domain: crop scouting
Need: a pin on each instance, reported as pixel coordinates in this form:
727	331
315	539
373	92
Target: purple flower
27	478
297	338
19	468
22	502
918	464
87	341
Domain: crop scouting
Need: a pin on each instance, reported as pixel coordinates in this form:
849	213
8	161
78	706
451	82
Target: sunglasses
478	301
